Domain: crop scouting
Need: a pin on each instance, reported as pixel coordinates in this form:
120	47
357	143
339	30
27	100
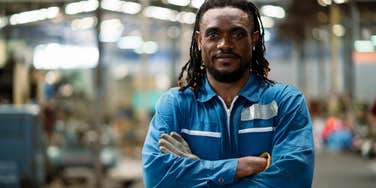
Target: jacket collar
250	90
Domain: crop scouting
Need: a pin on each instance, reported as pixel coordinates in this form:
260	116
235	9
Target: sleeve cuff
223	173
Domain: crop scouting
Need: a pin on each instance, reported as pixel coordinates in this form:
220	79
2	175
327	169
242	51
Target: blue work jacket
262	118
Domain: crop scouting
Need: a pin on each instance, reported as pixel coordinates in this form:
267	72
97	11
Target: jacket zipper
228	118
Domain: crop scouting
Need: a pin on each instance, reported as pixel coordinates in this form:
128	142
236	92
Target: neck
228	91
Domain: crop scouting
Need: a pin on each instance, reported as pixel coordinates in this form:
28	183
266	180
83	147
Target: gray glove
175	144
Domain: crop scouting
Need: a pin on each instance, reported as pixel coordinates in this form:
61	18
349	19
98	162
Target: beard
229	76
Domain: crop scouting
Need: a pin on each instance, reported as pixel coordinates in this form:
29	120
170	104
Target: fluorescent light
148	47
186	17
34	15
81	6
160	13
373	39
130	42
267	22
83	23
131	7
273	11
324	2
267	35
3	22
121	6
111	30
338	30
340	1
363	46
182	3
197	3
57	56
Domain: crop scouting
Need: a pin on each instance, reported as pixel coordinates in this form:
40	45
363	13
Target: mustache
226	55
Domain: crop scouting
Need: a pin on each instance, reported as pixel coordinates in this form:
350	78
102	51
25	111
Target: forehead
223	17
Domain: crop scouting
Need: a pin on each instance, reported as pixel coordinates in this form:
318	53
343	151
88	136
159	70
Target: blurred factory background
79	81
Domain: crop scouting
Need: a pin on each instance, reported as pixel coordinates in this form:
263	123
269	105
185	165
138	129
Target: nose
225	43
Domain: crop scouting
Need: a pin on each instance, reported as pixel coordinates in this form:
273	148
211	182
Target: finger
164	150
177	137
165	143
180	139
173	141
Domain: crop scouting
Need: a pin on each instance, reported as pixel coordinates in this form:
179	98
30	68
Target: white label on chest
260	111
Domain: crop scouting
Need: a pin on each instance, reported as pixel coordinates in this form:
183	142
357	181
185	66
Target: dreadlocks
193	68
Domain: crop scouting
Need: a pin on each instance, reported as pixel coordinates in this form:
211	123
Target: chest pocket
204	142
255	137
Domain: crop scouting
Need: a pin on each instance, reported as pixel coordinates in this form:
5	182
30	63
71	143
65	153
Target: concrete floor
344	170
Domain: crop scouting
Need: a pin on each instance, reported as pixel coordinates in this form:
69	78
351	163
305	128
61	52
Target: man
227	125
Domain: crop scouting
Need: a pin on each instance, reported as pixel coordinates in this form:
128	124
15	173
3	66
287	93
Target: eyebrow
216	29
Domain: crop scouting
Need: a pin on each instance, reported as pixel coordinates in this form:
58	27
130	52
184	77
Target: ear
255	38
198	39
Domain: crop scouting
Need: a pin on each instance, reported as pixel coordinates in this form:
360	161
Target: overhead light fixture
267	22
273	11
111	30
130	42
373	39
3	22
340	1
324	2
121	6
34	15
186	17
338	30
197	3
81	7
181	3
58	56
267	35
148	47
83	23
160	13
363	46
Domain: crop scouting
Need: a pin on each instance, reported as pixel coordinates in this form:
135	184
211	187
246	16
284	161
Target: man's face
226	40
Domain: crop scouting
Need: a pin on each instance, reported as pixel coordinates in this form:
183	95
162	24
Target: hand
175	144
248	166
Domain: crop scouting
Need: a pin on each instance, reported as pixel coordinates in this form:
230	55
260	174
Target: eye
212	35
238	34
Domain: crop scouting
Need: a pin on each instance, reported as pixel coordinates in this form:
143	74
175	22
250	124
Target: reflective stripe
260	111
256	130
201	133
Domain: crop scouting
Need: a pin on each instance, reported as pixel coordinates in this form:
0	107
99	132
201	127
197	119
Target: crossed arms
292	160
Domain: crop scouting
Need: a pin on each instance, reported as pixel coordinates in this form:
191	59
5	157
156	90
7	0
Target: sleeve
167	170
293	150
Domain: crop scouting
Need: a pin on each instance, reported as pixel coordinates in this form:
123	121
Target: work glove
175	144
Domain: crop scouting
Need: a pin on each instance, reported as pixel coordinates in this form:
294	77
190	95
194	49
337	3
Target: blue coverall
262	118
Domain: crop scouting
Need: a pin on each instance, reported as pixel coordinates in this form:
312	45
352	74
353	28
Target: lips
233	56
226	57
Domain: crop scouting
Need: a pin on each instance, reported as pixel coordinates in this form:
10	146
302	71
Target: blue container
21	144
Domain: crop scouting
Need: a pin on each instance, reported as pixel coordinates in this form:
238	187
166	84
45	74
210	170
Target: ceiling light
111	30
58	56
160	13
197	3
81	6
267	22
363	46
182	3
338	30
273	11
83	23
121	6
34	15
186	17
